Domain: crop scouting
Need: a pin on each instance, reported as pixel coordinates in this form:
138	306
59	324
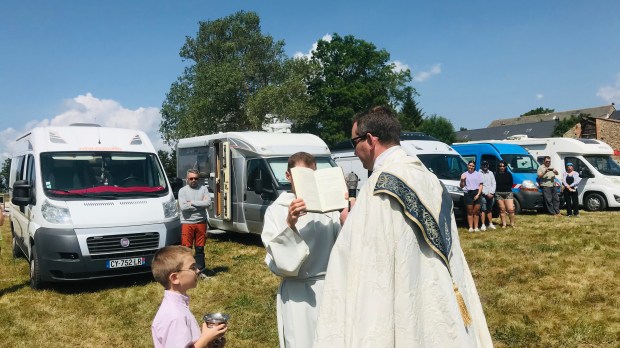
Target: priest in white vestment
298	245
397	276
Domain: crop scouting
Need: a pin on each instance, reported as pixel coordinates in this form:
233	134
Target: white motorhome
89	202
438	157
245	172
600	184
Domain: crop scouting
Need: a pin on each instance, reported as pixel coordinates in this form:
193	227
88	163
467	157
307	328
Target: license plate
136	261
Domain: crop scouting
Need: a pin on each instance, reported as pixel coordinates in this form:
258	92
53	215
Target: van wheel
35	270
594	202
17	252
517	206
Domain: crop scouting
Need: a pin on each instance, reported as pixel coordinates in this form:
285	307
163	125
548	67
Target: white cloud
425	75
89	109
308	55
610	93
539	96
399	66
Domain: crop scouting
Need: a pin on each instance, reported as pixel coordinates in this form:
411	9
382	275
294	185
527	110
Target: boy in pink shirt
174	267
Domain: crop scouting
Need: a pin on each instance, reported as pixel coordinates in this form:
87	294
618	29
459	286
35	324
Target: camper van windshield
521	163
604	164
101	174
446	167
279	164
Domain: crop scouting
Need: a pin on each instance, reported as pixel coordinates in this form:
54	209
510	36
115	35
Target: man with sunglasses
194	200
397	276
546	176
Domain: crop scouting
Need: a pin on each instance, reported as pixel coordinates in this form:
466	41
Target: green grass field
550	282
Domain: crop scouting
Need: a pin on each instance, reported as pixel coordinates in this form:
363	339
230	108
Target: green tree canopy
439	127
169	161
566	124
230	61
4	174
410	116
349	75
538	111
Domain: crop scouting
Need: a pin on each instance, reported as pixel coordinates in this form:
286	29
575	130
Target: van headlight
55	214
170	208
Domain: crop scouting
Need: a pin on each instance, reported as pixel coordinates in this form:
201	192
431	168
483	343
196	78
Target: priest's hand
296	209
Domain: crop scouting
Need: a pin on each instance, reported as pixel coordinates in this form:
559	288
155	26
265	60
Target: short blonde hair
166	261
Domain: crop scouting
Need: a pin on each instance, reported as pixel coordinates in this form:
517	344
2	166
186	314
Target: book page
332	188
305	188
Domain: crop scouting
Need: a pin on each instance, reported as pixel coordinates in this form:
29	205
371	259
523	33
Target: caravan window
109	174
521	163
192	158
257	170
604	164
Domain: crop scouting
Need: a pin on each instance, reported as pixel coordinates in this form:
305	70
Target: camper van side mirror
176	184
259	187
586	173
22	193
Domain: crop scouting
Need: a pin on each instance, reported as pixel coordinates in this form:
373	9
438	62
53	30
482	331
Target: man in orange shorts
194	200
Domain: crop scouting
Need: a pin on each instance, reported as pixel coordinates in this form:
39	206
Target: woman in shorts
503	194
471	183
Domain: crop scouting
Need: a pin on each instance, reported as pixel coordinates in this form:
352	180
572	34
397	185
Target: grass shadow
13	288
96	285
249	239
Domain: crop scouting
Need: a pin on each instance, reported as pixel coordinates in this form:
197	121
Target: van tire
594	202
517	206
35	270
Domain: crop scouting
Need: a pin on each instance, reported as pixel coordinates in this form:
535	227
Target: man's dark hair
302	157
547	158
381	122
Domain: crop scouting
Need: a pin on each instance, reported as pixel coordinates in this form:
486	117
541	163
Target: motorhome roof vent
55	138
136	140
517	137
84	125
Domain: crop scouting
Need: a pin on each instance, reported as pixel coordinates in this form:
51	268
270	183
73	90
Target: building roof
541	129
615	115
598	112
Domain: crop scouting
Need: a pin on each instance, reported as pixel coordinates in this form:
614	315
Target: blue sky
113	61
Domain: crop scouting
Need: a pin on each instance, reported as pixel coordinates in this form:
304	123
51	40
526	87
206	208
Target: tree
410	116
566	124
232	60
4	174
348	76
169	161
538	111
439	127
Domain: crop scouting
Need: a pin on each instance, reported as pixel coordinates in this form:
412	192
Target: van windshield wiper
69	193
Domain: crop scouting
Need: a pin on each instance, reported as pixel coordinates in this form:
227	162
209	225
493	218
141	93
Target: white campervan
89	202
438	157
600	184
245	172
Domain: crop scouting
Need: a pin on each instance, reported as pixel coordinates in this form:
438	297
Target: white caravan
438	157
89	202
600	184
245	172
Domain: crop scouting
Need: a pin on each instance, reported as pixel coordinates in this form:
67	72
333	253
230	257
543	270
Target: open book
323	190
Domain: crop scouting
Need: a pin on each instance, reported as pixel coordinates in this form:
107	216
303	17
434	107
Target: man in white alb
397	276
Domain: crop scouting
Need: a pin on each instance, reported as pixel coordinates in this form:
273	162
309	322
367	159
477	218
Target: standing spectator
194	200
488	193
503	194
570	180
471	182
546	175
298	244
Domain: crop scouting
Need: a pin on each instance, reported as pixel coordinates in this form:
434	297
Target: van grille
112	244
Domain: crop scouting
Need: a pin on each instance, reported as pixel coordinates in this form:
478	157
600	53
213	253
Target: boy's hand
209	334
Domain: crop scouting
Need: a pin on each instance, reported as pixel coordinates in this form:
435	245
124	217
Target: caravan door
222	197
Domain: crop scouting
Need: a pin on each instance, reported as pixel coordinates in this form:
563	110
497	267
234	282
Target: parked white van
600	184
438	157
245	172
89	202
